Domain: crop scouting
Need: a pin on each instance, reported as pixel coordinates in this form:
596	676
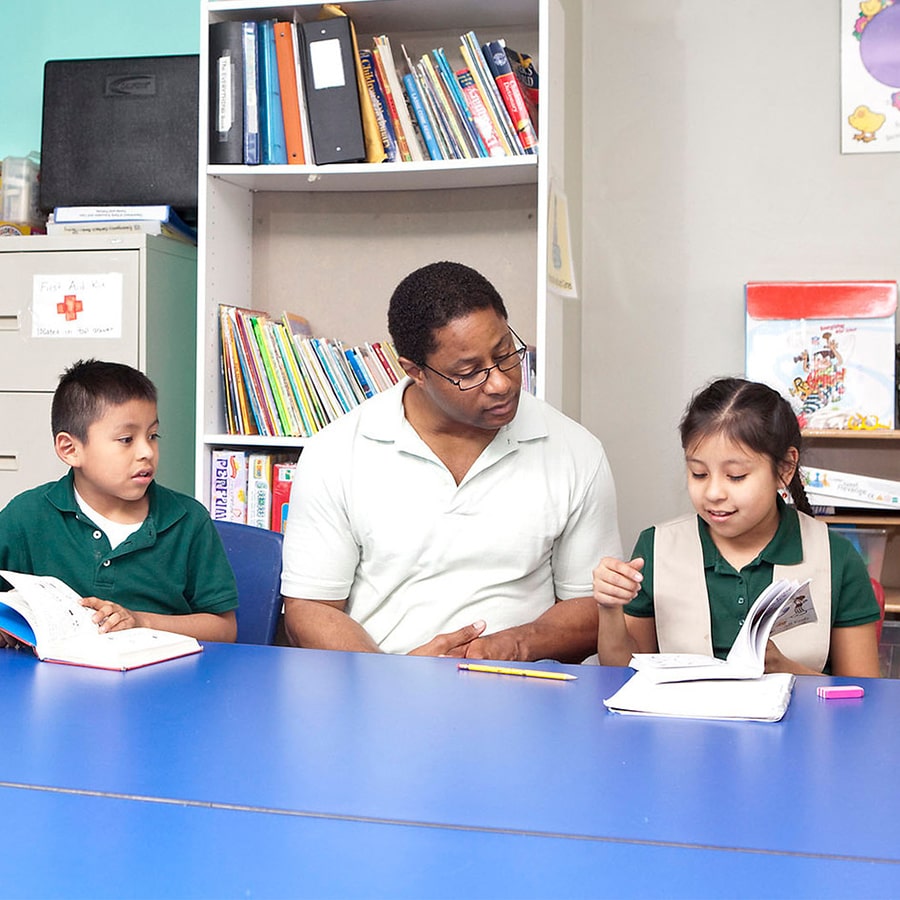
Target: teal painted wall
65	29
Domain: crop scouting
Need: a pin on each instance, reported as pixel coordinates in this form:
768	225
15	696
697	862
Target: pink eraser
841	692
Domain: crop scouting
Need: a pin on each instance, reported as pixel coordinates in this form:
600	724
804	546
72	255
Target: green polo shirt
174	564
731	593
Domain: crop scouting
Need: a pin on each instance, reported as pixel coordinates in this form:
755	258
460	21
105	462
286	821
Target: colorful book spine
421	113
218	492
456	131
383	45
458	101
284	345
256	373
433	103
248	376
508	84
474	58
526	73
282	481
480	117
359	372
259	490
274	151
394	371
379	107
285	39
322	351
228	490
392	103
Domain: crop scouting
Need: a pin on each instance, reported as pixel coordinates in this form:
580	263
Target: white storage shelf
331	242
871	453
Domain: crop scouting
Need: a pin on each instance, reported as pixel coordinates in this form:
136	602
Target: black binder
332	96
120	132
226	93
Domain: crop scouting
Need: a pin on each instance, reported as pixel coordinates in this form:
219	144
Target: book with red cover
282	481
511	92
46	614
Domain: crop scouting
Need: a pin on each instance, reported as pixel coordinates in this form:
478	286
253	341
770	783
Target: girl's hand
110	616
617	582
776	661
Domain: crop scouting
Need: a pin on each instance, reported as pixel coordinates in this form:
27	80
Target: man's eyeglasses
472	380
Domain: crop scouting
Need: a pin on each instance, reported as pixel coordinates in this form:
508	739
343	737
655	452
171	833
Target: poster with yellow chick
870	76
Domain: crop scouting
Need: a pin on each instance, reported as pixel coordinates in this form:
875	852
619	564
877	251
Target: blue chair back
255	557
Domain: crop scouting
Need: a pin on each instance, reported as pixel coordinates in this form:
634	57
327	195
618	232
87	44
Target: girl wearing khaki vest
691	581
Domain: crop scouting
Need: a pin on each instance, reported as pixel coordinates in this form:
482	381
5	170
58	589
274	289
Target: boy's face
117	462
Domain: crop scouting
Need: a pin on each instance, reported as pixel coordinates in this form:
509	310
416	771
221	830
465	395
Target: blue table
265	771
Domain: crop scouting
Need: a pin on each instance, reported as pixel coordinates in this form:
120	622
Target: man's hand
500	645
110	616
455	643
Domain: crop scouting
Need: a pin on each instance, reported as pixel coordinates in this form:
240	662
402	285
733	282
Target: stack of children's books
280	381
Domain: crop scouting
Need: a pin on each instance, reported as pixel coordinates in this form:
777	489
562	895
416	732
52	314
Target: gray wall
711	157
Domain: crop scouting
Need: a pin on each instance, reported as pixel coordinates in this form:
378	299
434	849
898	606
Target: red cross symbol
71	306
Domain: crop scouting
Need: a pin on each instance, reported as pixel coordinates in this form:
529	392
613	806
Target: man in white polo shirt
452	514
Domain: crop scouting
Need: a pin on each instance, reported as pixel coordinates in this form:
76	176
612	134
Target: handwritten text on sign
77	306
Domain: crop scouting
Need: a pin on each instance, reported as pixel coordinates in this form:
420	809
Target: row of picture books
292	92
280	381
251	487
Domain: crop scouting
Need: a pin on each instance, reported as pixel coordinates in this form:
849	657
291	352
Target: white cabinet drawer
27	458
32	361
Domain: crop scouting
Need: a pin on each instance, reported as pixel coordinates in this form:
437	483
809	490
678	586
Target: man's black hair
431	297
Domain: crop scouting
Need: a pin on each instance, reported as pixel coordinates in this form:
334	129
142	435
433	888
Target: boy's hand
7	641
617	582
110	616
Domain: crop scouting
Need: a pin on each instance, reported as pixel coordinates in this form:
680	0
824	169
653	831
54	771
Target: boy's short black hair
429	298
88	387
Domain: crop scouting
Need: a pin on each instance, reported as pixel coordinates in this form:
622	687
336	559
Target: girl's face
733	490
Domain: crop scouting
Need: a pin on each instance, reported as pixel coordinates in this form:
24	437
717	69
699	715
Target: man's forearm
324	626
566	632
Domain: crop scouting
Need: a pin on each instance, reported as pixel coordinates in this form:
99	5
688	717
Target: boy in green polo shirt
138	553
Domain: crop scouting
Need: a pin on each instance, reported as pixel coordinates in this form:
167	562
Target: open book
46	614
699	686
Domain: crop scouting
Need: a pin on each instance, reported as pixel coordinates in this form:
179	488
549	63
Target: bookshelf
872	453
331	242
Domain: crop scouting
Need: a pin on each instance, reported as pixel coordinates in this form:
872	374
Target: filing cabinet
129	299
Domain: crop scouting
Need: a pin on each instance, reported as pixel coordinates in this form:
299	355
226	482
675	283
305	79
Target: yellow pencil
530	673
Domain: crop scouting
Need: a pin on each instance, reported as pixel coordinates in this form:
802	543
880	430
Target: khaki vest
681	600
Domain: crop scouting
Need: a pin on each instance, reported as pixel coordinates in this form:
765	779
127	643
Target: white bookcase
331	242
